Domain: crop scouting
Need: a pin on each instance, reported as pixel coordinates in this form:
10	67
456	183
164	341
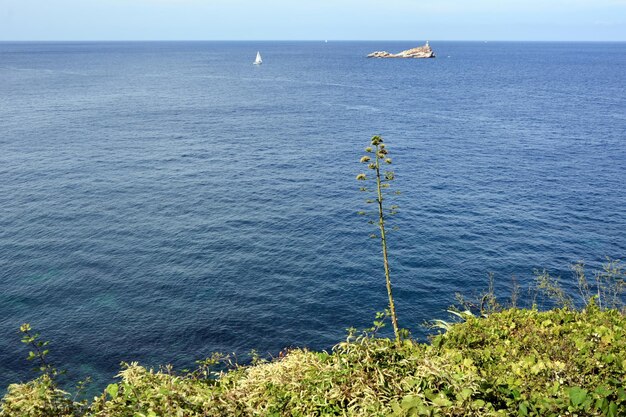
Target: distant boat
258	60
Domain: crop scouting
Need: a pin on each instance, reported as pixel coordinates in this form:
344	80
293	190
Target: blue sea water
160	201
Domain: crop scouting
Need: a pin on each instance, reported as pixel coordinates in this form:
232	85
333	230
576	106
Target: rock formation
419	52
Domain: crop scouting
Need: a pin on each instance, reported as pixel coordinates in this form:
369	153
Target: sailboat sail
258	60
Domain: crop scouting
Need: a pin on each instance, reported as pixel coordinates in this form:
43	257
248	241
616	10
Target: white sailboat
258	60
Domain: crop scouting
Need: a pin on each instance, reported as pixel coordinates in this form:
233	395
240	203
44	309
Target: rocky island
424	51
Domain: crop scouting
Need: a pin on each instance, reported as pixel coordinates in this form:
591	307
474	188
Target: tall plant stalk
381	156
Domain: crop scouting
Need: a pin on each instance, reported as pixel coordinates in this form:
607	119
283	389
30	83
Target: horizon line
312	40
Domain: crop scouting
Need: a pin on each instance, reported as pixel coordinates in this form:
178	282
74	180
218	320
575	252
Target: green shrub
546	363
37	398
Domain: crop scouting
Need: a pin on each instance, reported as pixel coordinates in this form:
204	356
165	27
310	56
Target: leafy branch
39	351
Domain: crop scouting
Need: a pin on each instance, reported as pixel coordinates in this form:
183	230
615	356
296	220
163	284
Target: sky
558	20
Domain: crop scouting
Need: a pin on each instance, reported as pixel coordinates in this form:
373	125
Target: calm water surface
160	201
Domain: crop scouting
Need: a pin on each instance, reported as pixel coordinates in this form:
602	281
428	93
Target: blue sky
321	19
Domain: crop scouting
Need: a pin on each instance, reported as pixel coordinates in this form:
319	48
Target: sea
160	201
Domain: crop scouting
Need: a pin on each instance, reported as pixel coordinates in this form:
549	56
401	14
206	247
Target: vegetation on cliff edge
512	362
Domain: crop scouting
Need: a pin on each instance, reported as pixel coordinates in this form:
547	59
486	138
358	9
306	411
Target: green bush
546	363
37	398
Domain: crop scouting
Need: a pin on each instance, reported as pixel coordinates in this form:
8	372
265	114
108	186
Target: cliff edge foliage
520	362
